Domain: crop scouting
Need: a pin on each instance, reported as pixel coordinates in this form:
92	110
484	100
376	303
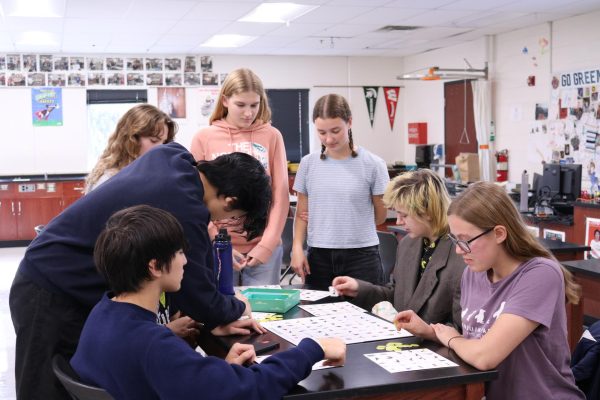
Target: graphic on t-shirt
474	322
254	149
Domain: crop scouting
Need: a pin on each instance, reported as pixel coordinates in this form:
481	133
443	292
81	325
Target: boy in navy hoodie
57	284
123	350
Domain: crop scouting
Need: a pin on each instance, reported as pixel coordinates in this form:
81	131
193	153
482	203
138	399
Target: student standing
428	271
139	129
513	301
141	254
241	122
341	189
56	284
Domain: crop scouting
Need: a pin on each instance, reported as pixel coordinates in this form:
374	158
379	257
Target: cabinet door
33	212
8	219
72	191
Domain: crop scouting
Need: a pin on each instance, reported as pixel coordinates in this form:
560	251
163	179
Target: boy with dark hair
123	350
57	283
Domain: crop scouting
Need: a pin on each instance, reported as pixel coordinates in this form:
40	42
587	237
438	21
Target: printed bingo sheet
343	307
351	328
409	360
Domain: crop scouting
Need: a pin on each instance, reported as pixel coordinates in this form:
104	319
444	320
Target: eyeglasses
464	244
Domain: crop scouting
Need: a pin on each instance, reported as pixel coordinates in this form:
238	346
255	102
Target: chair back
387	250
78	390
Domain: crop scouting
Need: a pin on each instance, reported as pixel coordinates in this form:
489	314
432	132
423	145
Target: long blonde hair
240	81
423	194
485	205
143	120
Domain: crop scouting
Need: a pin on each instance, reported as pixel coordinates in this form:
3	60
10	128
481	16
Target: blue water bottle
222	253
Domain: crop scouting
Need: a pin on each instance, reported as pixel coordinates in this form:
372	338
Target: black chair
78	390
387	250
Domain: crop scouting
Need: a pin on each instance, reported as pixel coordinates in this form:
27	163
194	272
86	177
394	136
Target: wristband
449	340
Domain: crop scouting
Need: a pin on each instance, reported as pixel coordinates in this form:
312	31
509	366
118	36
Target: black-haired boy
57	283
123	350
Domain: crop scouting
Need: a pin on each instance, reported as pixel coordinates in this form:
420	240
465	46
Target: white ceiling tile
157	9
97	8
487	18
250	28
33	24
437	32
331	15
419	4
385	16
270	41
347	30
345	3
299	30
223	10
436	17
176	40
181	48
578	7
85	43
195	27
75	26
476	5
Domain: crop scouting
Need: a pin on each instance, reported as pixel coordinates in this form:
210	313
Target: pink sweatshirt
265	143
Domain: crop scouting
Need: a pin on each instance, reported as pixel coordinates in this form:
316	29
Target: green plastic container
272	300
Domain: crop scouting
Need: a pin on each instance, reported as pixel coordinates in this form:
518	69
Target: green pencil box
272	300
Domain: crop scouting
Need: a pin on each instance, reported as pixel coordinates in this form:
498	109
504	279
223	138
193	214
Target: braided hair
334	106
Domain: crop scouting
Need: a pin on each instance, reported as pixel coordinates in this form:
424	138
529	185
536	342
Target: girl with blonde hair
241	121
139	129
513	297
341	189
428	271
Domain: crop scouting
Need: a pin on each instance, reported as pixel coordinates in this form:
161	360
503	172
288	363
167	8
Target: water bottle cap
223	235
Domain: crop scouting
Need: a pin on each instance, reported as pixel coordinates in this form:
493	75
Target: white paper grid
351	328
409	360
319	310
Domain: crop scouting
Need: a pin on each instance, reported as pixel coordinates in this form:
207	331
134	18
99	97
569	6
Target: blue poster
46	106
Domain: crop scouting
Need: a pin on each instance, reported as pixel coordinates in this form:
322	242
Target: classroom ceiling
335	27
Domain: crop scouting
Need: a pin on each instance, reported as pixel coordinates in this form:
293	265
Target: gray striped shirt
340	205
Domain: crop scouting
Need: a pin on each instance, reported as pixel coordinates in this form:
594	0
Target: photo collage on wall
108	71
567	129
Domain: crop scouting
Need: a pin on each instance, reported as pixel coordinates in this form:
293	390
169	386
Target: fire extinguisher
502	165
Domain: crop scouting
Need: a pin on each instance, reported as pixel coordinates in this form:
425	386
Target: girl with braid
343	180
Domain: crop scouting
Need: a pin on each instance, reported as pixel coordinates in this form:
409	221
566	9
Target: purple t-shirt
538	368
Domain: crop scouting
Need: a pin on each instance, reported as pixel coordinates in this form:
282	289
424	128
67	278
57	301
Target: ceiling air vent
393	28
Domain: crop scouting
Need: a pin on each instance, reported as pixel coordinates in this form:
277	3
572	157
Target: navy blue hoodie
61	258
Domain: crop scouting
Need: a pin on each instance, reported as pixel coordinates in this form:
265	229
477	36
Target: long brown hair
485	205
240	81
143	120
334	106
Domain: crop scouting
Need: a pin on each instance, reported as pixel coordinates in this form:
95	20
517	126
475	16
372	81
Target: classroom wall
571	47
29	150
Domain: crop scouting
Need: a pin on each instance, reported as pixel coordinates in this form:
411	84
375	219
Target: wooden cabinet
25	205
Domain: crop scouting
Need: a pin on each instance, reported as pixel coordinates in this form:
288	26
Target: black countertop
42	178
586	267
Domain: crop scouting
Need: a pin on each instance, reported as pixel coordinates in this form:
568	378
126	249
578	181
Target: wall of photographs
107	71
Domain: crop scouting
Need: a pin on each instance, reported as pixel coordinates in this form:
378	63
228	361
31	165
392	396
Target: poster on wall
551	234
208	99
592	238
371	93
534	230
46	106
172	101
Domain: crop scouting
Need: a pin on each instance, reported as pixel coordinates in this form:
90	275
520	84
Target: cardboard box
417	133
468	167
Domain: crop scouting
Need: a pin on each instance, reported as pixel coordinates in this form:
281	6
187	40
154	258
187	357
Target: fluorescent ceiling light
36	38
277	12
35	8
228	41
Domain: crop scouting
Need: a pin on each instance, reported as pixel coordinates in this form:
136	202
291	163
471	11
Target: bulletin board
567	128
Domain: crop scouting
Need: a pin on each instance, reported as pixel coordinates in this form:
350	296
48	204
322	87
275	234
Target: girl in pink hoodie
241	122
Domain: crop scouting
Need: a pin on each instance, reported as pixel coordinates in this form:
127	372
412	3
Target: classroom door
458	136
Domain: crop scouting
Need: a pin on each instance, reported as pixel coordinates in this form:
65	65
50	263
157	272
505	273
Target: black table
361	378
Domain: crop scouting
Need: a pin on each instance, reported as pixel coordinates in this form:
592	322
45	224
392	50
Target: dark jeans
325	264
45	324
